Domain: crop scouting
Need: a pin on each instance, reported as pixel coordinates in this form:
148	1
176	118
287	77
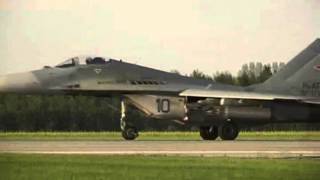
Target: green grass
278	135
54	167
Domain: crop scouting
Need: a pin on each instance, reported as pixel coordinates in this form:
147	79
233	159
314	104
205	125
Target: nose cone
19	83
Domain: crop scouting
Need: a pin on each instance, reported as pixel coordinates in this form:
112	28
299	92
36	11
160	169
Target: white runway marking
270	154
273	149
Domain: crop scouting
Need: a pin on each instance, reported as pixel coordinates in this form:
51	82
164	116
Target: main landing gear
128	132
226	131
209	132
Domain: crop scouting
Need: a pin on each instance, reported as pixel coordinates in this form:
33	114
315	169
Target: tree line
81	113
250	73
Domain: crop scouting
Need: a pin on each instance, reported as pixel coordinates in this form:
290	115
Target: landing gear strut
128	132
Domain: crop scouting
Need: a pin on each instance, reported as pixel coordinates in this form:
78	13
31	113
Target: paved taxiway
194	148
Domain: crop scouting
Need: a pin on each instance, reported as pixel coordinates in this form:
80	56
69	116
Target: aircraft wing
232	94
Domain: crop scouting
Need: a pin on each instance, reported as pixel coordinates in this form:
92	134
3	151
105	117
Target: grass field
279	135
153	167
19	166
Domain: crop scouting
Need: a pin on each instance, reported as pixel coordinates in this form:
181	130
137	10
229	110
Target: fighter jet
219	110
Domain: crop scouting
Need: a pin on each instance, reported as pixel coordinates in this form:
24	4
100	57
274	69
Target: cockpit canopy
83	60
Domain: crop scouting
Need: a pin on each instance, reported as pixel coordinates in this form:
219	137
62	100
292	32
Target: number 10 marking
163	105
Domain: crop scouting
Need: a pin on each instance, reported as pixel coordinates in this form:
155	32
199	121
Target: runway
275	149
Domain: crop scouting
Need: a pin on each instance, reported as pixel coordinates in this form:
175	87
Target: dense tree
224	77
200	75
266	73
253	73
244	79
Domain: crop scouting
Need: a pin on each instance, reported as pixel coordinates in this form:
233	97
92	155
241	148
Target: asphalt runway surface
281	149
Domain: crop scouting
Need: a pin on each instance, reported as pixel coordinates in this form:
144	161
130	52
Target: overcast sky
210	35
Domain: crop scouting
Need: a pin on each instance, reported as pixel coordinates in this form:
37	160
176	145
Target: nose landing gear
128	132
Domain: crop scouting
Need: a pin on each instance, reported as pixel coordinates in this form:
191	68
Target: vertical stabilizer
306	81
294	66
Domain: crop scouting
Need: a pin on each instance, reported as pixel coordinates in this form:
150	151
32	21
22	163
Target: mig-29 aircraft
291	95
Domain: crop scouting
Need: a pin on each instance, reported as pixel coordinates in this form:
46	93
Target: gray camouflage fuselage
292	95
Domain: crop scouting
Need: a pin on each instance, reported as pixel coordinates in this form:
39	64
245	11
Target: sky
209	35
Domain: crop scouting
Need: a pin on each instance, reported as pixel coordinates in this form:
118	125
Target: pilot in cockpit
79	61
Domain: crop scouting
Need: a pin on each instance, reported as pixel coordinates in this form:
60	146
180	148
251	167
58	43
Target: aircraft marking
163	105
317	67
311	88
98	71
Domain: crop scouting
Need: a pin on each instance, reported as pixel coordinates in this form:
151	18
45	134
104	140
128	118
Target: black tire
228	131
130	133
204	133
209	132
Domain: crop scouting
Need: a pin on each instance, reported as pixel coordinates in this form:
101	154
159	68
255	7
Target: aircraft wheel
228	131
209	132
130	133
